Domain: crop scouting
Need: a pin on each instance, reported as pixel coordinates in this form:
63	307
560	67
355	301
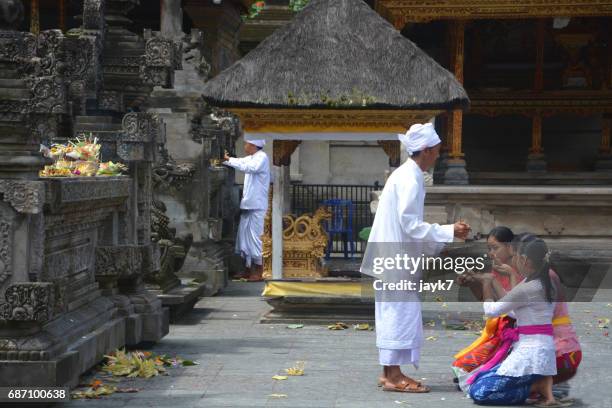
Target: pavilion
323	77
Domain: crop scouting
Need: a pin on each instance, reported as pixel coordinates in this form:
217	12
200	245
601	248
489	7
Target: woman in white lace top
532	362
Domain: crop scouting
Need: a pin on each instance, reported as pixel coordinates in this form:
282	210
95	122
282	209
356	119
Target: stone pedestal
536	162
604	162
455	173
440	168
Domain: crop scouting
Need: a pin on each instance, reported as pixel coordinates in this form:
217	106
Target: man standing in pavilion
253	205
399	227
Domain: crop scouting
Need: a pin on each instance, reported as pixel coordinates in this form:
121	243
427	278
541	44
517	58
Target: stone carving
43	128
193	49
110	100
93	15
49	95
6	260
173	249
169	175
70	191
160	61
32	301
19	48
24	196
118	261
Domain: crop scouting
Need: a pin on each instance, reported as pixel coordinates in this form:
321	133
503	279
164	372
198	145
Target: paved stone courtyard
238	357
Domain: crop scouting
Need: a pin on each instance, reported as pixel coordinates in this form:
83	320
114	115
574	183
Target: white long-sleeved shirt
256	180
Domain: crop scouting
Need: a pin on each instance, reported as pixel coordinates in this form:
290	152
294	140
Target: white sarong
250	230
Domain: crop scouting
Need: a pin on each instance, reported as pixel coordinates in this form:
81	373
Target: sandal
555	404
405	386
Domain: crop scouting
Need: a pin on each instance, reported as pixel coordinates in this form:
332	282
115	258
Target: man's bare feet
256	274
397	381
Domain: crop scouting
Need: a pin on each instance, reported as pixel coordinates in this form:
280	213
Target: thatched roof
332	52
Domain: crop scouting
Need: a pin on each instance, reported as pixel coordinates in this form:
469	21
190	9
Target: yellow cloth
351	289
487	332
559	321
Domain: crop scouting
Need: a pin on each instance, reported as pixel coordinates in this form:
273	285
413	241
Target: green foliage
355	99
297	5
254	10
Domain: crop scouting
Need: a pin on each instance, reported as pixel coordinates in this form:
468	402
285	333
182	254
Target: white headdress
259	142
419	137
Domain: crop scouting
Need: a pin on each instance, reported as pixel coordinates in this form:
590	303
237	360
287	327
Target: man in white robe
399	226
253	205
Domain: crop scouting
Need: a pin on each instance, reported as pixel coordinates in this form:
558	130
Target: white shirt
533	353
256	180
399	226
399	215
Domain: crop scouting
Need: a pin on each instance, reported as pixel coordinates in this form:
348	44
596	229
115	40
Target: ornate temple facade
92	264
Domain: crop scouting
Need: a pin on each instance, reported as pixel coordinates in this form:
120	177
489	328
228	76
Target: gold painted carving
254	119
400	12
392	149
304	242
282	151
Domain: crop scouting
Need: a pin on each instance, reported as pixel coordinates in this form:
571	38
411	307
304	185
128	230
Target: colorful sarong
481	350
493	389
567	366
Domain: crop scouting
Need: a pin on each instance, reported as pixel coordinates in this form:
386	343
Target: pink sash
509	336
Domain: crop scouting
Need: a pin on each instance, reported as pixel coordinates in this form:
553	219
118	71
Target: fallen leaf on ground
362	326
432	338
93	393
338	326
603	323
277	395
402	402
431	323
279	377
127	390
297	370
456	327
295	326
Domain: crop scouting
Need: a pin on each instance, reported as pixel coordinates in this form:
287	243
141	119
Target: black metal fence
306	198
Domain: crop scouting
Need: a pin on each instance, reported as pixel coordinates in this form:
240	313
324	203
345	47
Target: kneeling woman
531	364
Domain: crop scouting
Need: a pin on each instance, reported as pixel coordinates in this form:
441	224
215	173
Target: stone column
604	159
171	19
455	172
